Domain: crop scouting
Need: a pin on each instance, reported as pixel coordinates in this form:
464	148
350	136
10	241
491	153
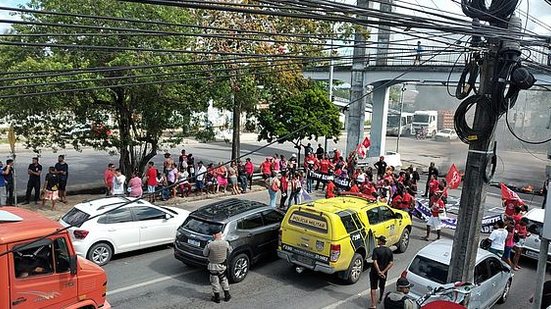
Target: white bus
395	125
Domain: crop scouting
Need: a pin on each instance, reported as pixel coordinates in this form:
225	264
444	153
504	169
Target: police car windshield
201	226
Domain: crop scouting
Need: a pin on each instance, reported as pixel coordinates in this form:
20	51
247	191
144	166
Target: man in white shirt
200	178
118	183
498	238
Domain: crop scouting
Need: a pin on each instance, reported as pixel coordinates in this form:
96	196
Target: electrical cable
472	70
466	133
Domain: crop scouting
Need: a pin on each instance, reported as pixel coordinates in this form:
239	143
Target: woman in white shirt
498	238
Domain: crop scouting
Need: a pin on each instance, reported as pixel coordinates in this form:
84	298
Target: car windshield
446	131
429	269
75	217
201	226
420	118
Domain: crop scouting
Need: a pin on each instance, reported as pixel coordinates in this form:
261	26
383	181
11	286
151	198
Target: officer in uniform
217	252
399	299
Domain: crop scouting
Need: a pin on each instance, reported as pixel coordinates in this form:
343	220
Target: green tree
129	120
305	114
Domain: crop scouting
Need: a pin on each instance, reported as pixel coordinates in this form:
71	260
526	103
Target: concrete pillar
378	121
383	36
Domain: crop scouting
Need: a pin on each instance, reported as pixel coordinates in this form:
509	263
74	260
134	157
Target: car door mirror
73	264
398	216
168	217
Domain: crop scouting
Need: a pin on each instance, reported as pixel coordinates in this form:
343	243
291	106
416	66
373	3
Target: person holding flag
510	200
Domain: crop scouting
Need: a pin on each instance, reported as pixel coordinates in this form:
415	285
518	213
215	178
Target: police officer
34	172
217	252
399	299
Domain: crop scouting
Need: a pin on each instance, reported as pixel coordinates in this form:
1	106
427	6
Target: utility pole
331	68
473	194
400	117
544	245
356	110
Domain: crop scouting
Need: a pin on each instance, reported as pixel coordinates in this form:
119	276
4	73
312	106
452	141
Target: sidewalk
61	208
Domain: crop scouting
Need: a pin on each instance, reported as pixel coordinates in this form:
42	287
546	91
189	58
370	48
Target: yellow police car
337	235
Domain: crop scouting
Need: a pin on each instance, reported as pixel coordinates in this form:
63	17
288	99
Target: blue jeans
273	195
309	184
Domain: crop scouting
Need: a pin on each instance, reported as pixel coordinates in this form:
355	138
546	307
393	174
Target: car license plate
304	260
194	242
532	254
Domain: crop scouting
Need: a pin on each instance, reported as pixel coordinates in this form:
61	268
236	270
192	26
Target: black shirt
383	256
52	182
381	167
319	152
8	177
35	168
62	167
433	171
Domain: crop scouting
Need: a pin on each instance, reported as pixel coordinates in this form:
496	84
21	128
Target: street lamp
400	117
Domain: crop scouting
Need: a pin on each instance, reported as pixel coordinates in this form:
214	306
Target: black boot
227	296
216	298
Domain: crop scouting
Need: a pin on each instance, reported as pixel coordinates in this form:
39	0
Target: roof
337	204
536	215
441	250
32	226
225	210
101	205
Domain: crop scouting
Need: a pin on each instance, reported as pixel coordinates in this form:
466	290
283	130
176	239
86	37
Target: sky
536	8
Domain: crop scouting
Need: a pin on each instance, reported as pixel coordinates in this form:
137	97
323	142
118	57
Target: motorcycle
421	133
448	296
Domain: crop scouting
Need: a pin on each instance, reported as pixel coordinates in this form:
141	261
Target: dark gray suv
250	227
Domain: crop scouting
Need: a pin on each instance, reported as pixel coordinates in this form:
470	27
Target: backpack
394	304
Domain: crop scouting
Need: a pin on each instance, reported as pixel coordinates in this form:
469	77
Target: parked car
250	227
429	269
337	235
535	225
137	225
445	135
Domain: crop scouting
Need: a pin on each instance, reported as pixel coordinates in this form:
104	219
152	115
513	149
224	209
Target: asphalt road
155	279
86	167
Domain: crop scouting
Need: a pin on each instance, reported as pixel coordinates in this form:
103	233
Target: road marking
356	296
149	282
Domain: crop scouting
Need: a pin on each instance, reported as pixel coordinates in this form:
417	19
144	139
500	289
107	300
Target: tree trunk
236	136
125	146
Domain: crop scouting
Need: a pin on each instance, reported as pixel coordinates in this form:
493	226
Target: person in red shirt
249	170
433	221
407	201
266	168
108	175
151	176
433	186
336	155
368	188
517	216
521	230
324	167
330	191
510	207
354	188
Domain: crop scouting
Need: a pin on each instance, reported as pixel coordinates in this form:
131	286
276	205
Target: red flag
510	195
361	151
366	142
453	178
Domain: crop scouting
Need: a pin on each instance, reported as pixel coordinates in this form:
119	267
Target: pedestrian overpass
381	76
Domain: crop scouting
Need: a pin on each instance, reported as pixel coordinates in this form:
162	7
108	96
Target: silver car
429	269
535	224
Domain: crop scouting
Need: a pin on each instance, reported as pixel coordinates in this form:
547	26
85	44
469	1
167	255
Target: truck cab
40	269
427	120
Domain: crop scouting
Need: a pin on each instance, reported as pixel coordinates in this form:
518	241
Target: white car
535	225
137	225
429	269
445	135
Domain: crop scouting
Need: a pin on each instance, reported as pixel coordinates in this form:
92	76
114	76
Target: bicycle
446	295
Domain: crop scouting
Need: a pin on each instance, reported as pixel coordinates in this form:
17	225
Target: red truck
44	272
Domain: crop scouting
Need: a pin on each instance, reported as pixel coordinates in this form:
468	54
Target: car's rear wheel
355	269
403	243
505	293
239	267
100	253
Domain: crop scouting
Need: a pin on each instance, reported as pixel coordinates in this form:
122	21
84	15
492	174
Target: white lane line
149	282
362	294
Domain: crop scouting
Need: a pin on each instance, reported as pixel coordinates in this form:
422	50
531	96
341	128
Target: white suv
137	225
429	269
